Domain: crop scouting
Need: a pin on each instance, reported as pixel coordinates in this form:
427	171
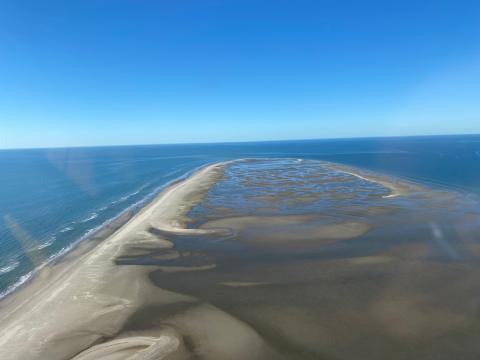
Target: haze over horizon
259	141
86	73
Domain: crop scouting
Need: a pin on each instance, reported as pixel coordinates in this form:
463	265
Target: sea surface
53	199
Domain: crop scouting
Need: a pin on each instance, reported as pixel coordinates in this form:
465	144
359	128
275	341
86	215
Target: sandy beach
87	299
80	309
260	259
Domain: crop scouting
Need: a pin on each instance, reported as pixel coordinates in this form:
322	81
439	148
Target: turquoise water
51	199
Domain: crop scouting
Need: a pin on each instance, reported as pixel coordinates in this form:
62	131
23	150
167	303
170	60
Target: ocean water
52	199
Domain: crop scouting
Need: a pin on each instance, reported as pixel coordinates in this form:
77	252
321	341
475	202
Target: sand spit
397	188
81	310
243	285
157	348
294	229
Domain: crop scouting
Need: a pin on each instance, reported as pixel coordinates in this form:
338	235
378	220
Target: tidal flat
323	261
268	259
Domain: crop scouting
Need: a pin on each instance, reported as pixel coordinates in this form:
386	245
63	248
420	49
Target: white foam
11	265
55	257
47	243
23	279
91	217
128	196
51	259
66	228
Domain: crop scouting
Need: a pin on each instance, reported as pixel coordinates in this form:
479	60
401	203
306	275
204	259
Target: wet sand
80	310
352	273
270	259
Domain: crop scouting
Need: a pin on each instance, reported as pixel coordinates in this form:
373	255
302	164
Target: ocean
53	199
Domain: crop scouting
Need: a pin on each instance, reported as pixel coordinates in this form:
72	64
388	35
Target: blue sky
103	72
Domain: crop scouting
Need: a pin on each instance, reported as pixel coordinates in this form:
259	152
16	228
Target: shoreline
95	235
396	186
79	307
99	234
79	287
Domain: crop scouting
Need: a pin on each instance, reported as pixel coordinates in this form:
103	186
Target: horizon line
237	142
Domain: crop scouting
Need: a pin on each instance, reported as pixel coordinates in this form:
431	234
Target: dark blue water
51	199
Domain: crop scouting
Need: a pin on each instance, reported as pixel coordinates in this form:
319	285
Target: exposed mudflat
267	259
323	261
